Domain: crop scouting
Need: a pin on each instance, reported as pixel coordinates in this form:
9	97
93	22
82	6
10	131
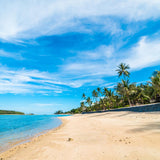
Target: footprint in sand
125	140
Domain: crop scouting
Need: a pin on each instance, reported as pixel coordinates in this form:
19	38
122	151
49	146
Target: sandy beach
98	136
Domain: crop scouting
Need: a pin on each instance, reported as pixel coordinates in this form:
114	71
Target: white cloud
103	61
99	62
26	81
102	52
33	81
30	19
145	53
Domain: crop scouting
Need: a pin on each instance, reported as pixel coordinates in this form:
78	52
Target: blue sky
54	50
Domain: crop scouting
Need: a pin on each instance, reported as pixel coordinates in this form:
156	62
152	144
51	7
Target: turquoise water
14	128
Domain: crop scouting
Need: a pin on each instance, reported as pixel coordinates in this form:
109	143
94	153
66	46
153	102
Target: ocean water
14	128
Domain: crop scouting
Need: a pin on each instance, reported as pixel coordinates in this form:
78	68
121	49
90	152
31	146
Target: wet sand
98	136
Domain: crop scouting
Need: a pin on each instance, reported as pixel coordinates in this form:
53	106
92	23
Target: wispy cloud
31	19
103	61
145	53
24	81
16	56
27	81
91	63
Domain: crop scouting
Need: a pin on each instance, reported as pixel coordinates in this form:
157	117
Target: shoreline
23	143
97	136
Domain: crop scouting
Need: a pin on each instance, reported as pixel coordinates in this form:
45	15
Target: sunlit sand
99	136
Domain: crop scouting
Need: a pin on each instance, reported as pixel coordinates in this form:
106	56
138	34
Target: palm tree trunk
129	101
142	100
104	108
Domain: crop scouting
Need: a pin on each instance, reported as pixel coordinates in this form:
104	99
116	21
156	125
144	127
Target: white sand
102	136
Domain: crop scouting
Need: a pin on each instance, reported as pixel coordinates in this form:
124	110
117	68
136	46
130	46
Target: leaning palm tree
123	70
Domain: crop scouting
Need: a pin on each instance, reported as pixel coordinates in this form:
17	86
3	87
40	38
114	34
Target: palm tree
105	92
155	82
124	89
117	101
89	101
99	91
95	95
82	106
148	89
109	96
83	96
123	70
133	91
140	94
102	103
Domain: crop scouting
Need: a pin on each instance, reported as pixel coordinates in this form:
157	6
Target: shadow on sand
155	127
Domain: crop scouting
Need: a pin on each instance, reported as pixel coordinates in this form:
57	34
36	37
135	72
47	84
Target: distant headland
10	112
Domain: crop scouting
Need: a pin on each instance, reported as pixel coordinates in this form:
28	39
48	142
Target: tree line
122	95
10	112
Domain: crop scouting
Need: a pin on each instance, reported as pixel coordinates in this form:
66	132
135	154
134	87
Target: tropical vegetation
10	112
123	94
59	112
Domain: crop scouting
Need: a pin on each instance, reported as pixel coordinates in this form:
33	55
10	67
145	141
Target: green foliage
59	112
74	111
155	82
123	70
10	112
125	94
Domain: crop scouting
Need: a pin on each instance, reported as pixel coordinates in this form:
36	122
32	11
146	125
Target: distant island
10	112
59	112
